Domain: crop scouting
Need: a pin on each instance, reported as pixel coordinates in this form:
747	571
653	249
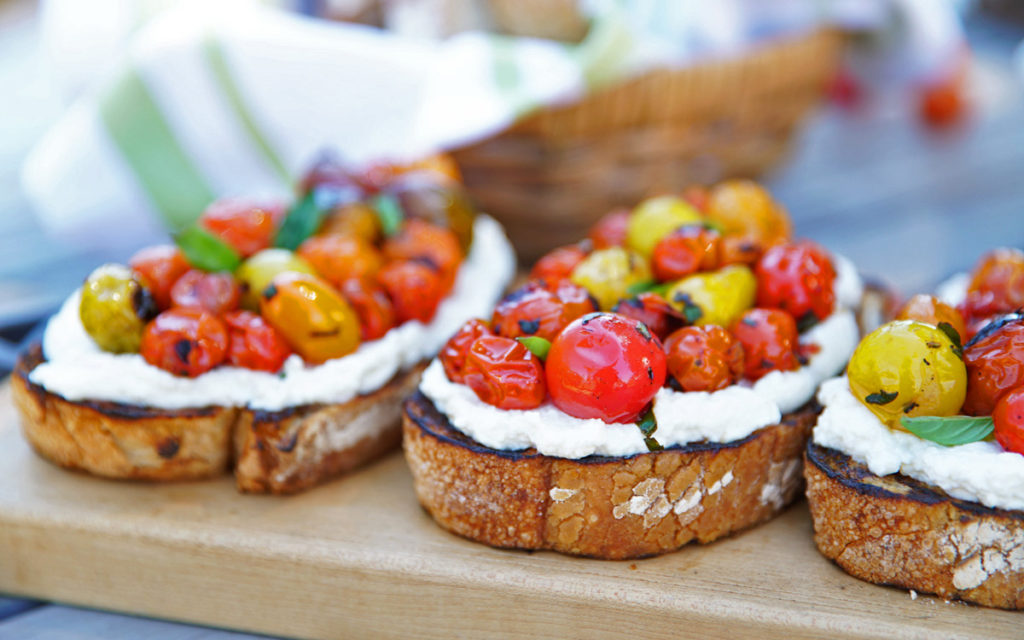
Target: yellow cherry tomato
744	208
720	296
655	218
908	368
115	307
313	318
259	269
608	273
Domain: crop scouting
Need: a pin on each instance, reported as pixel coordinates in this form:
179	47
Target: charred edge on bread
426	416
851	474
168	447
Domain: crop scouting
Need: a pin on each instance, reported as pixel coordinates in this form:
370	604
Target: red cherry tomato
338	258
533	310
246	226
558	264
942	104
997	285
705	358
610	231
605	366
770	341
215	292
1008	417
652	310
995	364
185	342
254	344
422	240
797	278
414	288
453	354
684	251
502	372
372	305
160	267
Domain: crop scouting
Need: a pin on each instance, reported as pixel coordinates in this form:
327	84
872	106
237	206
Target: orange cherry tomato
931	310
770	341
533	310
453	354
699	196
185	342
353	219
502	372
253	343
1008	418
160	267
739	250
798	278
415	289
995	364
610	231
420	240
338	258
247	226
311	316
558	263
215	292
704	358
372	305
745	208
685	251
652	310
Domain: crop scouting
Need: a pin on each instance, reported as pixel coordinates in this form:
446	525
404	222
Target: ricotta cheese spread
979	471
721	416
77	369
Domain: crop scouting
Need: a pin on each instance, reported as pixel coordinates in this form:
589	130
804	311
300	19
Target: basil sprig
205	251
648	424
302	221
950	430
538	346
389	212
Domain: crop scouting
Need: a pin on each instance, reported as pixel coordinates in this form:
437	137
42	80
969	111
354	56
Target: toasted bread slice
603	507
274	452
897	531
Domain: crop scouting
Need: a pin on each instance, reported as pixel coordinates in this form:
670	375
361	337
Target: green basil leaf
205	251
652	444
538	346
641	287
648	424
954	337
951	430
302	221
389	212
691	310
713	225
882	397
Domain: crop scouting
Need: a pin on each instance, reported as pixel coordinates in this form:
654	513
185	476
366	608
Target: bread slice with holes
602	507
898	531
278	452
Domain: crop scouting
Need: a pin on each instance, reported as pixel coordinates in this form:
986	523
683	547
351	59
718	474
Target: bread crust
602	507
274	452
897	531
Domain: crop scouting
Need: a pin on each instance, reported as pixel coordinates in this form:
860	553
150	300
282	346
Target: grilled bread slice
895	530
603	507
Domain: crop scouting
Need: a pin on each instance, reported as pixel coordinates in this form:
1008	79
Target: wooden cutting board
360	558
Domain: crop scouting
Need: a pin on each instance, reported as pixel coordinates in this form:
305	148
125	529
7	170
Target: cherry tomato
684	251
380	174
608	273
997	284
714	297
502	372
610	231
246	226
769	340
706	358
453	353
798	278
533	310
415	289
995	364
1008	417
423	241
261	268
931	310
739	250
428	196
337	258
353	219
160	267
185	342
654	218
745	208
605	366
215	292
253	343
115	307
942	104
699	196
558	264
652	310
975	325
311	316
372	305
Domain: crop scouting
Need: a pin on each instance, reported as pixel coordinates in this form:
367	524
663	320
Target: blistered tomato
421	240
931	310
215	292
313	318
256	273
704	358
160	267
739	250
907	368
715	297
995	364
372	305
608	273
652	310
246	226
558	263
185	342
610	231
415	289
353	219
798	278
1008	417
453	353
533	310
253	343
997	284
115	307
502	372
684	251
337	258
428	196
605	366
769	340
654	218
744	208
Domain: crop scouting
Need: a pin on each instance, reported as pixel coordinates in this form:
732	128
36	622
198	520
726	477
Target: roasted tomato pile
696	292
917	366
251	284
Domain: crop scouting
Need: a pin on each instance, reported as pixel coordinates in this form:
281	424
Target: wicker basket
551	175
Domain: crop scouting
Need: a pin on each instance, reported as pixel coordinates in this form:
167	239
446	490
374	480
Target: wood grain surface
359	558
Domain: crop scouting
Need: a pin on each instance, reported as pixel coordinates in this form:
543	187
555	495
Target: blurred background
893	131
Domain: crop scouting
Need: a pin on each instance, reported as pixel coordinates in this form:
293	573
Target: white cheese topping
77	369
722	416
979	471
